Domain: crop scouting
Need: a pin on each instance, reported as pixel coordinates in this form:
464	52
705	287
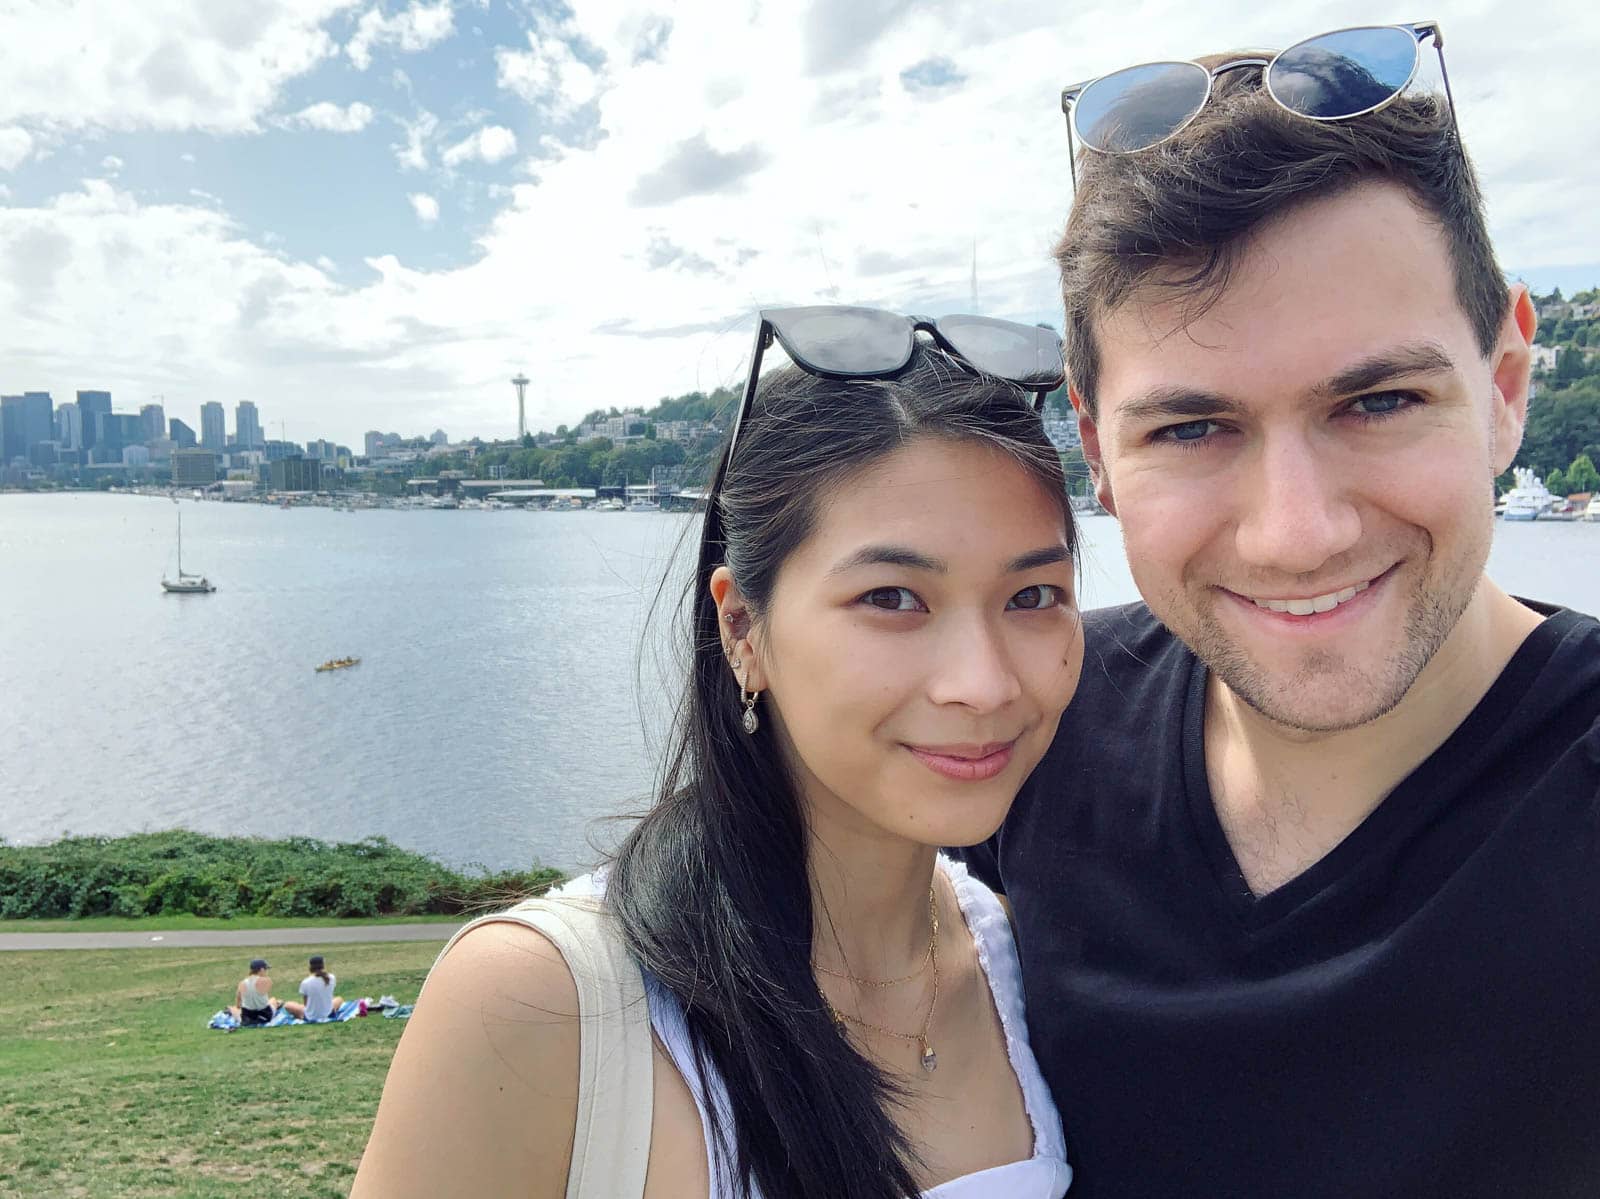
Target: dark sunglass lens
1139	106
1024	354
837	340
1344	74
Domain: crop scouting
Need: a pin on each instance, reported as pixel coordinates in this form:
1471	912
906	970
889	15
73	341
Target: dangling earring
750	720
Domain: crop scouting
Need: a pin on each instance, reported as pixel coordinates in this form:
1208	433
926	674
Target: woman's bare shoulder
481	1096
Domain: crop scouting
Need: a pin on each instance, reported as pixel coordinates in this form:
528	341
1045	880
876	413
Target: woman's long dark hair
712	888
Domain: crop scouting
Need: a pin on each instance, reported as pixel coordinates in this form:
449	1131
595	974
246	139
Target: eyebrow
1177	402
899	555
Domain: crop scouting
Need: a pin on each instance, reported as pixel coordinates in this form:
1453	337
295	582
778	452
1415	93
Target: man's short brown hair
1171	222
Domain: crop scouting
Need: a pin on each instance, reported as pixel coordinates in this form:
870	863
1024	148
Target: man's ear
739	638
1511	363
1089	431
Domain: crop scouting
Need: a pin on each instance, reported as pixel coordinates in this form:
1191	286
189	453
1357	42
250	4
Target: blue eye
1189	432
1381	404
1035	598
893	599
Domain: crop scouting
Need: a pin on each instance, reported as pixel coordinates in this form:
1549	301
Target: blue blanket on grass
226	1021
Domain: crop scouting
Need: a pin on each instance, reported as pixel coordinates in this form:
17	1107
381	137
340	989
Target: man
1307	890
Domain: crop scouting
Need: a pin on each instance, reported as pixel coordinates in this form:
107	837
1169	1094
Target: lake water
495	717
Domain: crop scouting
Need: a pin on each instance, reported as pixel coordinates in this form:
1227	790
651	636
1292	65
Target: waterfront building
247	425
44	454
69	426
213	427
135	455
10	429
91	406
373	441
194	468
182	435
295	474
153	420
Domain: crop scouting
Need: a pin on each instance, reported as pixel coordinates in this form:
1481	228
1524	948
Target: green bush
184	873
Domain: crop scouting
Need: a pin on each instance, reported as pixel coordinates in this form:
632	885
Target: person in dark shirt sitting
1307	889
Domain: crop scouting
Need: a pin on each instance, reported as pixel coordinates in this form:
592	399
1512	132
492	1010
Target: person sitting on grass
252	998
317	991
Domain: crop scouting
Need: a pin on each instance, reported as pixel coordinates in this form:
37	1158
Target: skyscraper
114	432
69	426
182	435
91	405
153	422
213	427
247	425
25	420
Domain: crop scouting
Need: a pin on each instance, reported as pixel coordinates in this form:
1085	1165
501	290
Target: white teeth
1317	603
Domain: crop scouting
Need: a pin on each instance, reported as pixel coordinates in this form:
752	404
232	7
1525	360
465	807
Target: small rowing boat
338	664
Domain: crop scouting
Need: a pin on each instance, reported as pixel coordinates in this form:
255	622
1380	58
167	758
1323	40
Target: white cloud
111	164
413	156
425	206
5	192
490	144
186	157
330	118
417	27
547	75
15	147
157	64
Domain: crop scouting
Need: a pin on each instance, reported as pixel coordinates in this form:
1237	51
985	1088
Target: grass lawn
162	924
110	1083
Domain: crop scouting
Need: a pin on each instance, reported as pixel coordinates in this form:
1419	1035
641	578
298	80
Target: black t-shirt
1417	1014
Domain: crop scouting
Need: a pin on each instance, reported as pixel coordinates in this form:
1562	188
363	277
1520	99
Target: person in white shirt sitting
317	991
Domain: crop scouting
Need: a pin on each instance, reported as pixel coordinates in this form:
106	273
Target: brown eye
893	599
1031	599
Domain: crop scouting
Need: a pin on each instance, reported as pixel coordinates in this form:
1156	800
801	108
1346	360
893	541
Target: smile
1310	604
967	763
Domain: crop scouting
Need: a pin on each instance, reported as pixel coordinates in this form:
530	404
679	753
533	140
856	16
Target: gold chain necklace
930	1059
933	936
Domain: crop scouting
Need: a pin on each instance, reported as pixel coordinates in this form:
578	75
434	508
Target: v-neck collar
1413	799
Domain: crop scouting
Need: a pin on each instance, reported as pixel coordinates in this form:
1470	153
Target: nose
1295	510
974	666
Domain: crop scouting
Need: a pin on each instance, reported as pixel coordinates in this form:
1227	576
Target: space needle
521	384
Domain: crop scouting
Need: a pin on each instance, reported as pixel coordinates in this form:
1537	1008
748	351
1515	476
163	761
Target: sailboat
185	584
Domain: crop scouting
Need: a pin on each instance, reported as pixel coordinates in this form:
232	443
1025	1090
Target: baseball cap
258	963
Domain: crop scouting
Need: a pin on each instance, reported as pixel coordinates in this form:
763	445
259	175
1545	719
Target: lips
969	762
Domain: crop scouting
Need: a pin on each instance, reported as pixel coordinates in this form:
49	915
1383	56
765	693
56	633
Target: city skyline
361	214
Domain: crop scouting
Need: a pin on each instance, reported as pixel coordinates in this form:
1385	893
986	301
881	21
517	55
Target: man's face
1305	475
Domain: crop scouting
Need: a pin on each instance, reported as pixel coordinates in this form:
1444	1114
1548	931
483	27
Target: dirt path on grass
202	938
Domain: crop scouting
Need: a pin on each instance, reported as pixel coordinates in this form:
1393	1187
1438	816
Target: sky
370	215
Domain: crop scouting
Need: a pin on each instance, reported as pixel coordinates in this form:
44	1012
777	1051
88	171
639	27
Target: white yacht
1592	512
1528	500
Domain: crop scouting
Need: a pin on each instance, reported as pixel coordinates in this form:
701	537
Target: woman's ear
735	629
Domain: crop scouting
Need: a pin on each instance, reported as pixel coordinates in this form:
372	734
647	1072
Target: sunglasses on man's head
841	342
1331	77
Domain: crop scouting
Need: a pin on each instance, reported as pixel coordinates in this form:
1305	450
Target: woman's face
921	644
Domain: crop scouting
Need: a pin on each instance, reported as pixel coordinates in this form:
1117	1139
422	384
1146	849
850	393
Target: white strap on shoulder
611	1143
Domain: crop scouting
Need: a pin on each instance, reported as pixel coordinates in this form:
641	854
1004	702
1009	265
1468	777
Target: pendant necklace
929	1059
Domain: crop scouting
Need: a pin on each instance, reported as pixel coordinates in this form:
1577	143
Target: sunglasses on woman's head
841	342
1331	77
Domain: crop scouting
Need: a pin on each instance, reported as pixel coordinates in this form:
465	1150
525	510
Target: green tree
1556	482
1582	476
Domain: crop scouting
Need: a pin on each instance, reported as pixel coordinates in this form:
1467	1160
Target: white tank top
253	998
1045	1175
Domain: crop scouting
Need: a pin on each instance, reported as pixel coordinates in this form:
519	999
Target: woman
316	989
883	638
252	998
